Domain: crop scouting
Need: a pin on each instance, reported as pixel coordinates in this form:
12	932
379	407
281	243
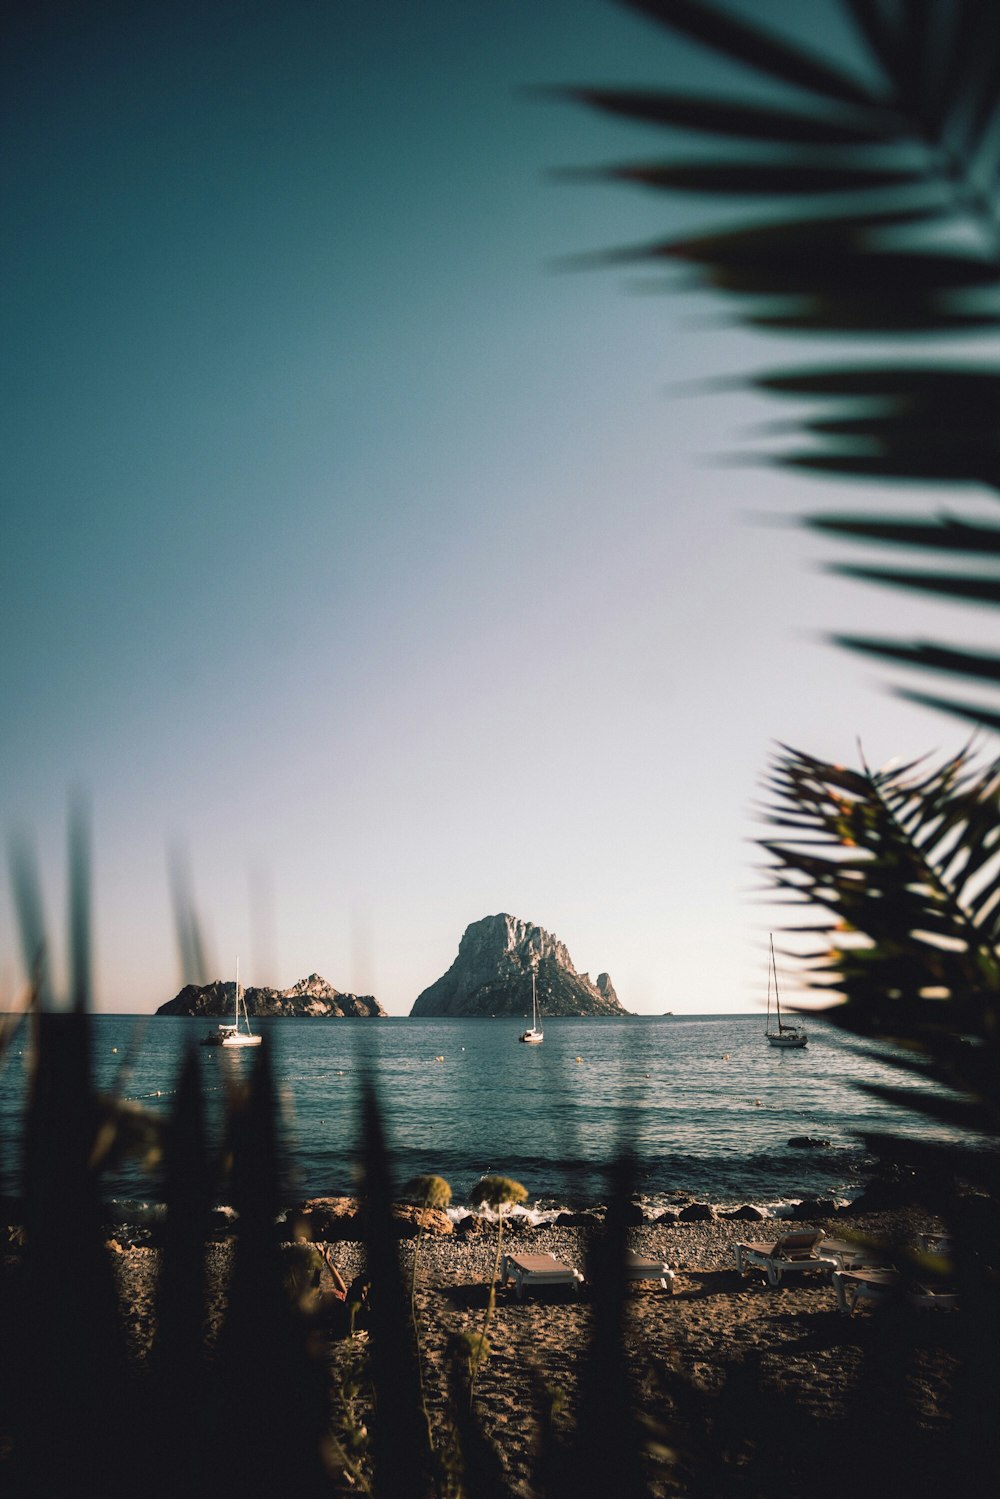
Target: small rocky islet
313	997
491	977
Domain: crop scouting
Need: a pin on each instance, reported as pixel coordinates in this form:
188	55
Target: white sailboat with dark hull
536	1035
788	1036
232	1035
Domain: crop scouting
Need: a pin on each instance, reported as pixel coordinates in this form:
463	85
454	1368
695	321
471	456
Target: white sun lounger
850	1255
529	1271
853	1286
638	1267
790	1255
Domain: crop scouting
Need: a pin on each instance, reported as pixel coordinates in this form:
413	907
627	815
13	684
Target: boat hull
795	1040
217	1038
533	1038
241	1040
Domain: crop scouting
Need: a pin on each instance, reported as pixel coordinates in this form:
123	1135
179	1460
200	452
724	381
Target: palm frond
877	177
905	862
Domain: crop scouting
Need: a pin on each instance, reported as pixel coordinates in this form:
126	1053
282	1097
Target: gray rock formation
492	976
311	997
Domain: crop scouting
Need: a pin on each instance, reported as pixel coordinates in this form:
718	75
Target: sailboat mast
236	1016
777	997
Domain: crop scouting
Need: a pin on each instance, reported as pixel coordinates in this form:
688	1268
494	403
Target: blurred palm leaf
877	177
905	864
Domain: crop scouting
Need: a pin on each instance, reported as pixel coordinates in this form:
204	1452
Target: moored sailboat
536	1034
230	1034
785	1035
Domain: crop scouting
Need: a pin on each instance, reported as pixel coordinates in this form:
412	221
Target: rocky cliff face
313	996
492	976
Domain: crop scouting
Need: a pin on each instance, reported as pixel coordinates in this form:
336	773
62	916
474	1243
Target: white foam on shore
140	1213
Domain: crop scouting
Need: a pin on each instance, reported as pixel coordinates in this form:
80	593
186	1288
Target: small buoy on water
578	1059
439	1059
725	1056
114	1048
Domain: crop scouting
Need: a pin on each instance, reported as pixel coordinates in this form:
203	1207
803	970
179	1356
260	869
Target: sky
358	555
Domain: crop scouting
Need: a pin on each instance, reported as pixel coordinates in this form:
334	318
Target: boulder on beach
635	1215
470	1226
813	1207
698	1212
332	1218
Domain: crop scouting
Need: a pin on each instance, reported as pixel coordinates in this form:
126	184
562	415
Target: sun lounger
853	1286
638	1267
790	1255
851	1255
529	1271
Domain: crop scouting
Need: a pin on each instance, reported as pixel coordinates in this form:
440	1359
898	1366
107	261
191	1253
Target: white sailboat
536	1034
785	1035
232	1035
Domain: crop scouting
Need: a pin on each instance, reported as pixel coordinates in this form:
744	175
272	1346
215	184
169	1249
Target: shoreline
143	1217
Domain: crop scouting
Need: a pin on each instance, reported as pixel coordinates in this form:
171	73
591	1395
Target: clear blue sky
358	553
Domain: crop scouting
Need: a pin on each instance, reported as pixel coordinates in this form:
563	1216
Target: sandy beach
804	1356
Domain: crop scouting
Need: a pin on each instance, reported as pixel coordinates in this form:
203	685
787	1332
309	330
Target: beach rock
222	1221
809	1142
813	1207
892	1186
471	1226
697	1212
667	1217
518	1226
411	1220
491	976
878	1196
746	1214
313	997
635	1215
574	1220
327	1219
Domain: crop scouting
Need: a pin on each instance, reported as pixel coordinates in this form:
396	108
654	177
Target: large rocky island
313	997
492	976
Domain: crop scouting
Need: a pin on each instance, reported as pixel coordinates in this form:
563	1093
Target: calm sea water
706	1104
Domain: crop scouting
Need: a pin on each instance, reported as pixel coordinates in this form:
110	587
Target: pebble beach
713	1327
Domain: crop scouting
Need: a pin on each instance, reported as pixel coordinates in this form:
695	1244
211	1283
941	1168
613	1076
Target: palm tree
877	174
900	870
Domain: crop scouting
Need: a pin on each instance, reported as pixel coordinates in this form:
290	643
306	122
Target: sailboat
785	1035
536	1034
232	1035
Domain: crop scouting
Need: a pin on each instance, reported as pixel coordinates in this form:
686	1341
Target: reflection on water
705	1104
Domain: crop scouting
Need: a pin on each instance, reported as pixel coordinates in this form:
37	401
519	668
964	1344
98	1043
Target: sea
707	1108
